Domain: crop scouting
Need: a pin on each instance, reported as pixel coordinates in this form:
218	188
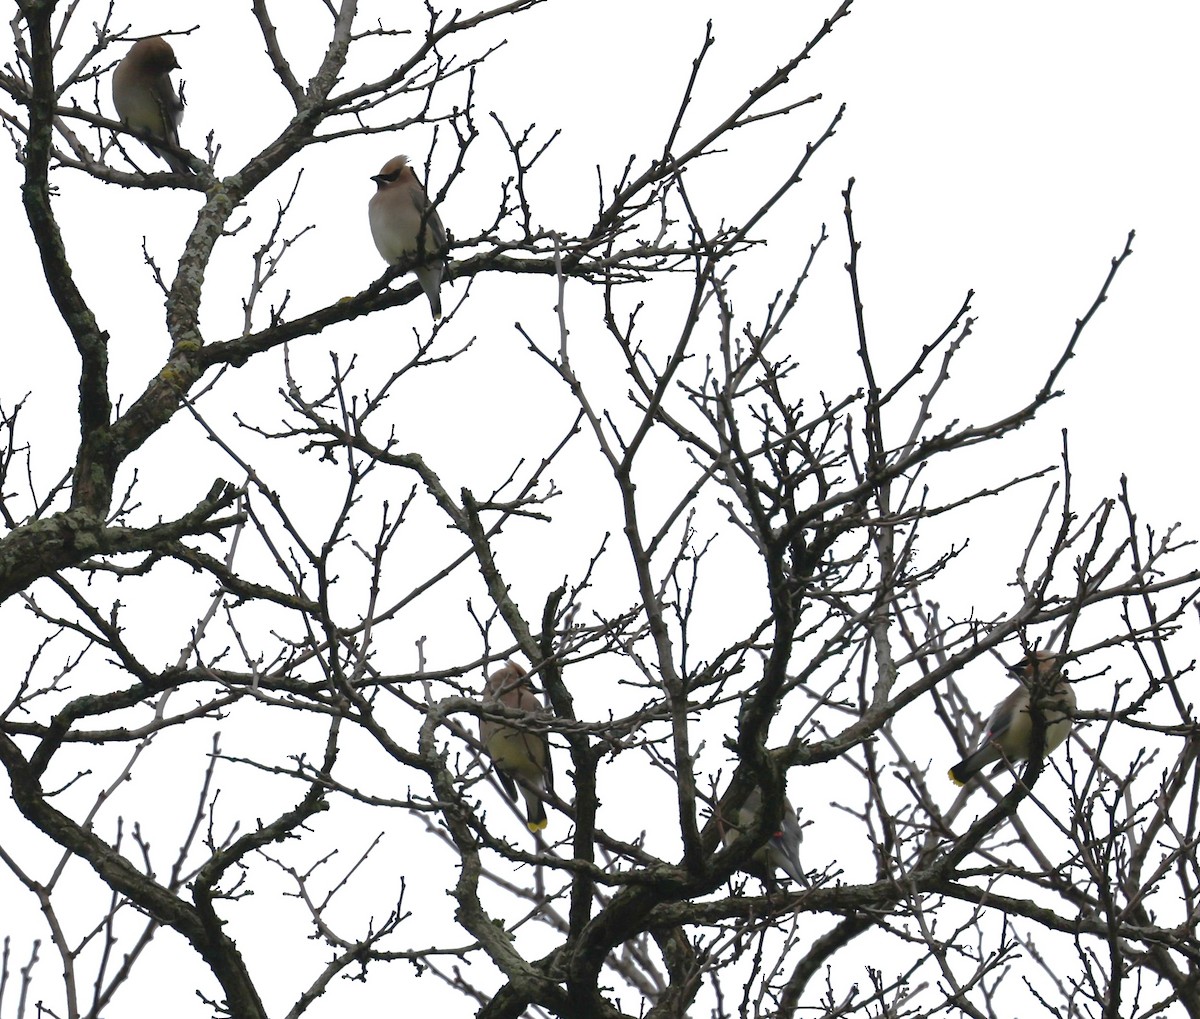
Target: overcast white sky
1005	148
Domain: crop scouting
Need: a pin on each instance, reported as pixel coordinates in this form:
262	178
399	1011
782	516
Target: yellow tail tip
954	778
536	825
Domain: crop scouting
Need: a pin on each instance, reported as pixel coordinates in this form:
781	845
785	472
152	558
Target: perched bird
521	757
781	849
146	101
1010	729
400	215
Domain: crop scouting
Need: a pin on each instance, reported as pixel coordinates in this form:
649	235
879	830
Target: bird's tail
535	812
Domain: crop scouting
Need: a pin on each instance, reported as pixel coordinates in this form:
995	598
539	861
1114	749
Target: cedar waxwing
400	212
782	848
517	754
145	99
1010	728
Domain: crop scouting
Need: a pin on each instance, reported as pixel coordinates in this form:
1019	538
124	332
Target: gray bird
782	847
400	214
1010	729
521	758
146	101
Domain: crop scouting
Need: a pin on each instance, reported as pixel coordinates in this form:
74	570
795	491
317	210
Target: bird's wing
433	222
1004	714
